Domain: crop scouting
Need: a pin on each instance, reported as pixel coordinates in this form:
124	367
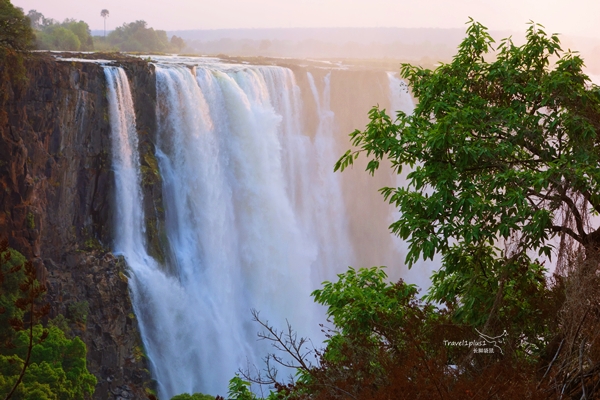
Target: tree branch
568	231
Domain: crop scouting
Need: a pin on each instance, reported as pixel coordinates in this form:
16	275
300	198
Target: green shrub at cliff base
195	396
365	308
57	365
57	368
13	275
238	389
504	156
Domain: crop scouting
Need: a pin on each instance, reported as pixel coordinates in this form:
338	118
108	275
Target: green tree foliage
16	36
136	36
35	363
386	343
58	38
70	35
12	274
238	389
177	43
57	368
504	156
82	31
361	304
195	396
15	31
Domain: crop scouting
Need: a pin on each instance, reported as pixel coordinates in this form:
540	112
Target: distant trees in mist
137	36
73	35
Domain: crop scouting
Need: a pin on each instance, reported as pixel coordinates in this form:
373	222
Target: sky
574	17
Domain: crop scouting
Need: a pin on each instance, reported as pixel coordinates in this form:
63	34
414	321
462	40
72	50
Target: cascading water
126	162
254	216
325	151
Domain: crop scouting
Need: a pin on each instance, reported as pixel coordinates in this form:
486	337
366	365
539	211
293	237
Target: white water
254	216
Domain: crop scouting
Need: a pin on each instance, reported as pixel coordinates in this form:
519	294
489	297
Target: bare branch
568	231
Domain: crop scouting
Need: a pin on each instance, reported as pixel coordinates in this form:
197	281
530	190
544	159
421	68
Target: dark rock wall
142	78
90	289
55	176
56	197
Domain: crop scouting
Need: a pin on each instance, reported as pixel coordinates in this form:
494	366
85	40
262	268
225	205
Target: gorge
214	180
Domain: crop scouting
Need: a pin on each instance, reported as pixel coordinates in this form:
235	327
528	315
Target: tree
36	19
15	29
16	37
35	362
504	157
136	36
56	368
104	14
70	35
386	343
195	396
19	311
82	30
177	43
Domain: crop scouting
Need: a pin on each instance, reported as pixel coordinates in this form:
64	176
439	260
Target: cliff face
56	194
55	178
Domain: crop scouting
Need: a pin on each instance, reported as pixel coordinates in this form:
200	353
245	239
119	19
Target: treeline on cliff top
73	35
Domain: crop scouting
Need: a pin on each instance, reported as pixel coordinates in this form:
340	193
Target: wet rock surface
90	290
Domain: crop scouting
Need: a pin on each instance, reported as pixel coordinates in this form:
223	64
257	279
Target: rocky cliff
56	189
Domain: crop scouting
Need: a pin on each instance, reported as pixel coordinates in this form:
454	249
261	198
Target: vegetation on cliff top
69	35
72	35
16	36
15	32
138	37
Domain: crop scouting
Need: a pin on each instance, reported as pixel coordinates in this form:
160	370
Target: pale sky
573	17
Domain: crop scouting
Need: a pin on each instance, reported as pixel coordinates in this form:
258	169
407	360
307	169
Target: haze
576	17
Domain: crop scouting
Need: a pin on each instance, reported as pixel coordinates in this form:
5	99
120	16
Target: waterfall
147	281
327	194
126	163
254	215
